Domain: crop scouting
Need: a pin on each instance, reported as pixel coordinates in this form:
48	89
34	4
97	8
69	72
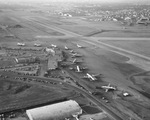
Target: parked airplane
75	61
53	45
80	69
76	55
72	51
37	45
76	116
64	64
79	46
67	119
21	44
66	48
92	77
108	87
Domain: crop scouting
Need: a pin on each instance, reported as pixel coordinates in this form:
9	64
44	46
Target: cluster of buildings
125	15
26	60
131	14
55	56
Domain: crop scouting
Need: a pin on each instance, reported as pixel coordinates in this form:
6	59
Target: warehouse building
52	63
143	20
26	60
58	111
50	51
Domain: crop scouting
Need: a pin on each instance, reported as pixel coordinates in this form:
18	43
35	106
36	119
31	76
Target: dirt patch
127	69
17	95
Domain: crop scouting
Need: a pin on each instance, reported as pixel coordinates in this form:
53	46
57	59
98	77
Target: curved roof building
58	111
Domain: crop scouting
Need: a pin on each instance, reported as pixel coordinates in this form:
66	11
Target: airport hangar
58	111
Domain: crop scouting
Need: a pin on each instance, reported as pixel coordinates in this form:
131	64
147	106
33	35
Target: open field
106	29
141	47
23	95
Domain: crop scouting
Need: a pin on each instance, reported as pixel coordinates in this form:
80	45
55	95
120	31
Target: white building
58	111
49	50
143	20
26	60
52	64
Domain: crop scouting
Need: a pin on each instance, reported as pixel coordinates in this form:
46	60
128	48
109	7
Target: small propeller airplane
79	69
21	44
76	55
53	45
108	87
66	48
92	77
75	61
37	45
79	46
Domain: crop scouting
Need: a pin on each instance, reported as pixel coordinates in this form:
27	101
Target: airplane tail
74	60
79	71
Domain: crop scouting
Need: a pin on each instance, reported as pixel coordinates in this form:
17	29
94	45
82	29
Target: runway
97	41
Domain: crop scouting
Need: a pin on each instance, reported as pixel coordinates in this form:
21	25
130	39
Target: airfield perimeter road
101	105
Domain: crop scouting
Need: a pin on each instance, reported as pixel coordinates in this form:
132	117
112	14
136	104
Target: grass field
16	95
141	47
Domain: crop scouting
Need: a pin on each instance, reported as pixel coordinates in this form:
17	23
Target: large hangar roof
58	111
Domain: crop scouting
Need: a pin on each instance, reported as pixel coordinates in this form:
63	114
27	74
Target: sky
109	1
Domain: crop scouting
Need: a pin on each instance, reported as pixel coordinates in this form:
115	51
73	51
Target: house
143	20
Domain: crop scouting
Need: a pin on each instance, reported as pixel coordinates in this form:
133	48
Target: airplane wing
83	68
98	75
85	77
95	75
106	90
74	60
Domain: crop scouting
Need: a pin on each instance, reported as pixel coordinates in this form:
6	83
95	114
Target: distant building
58	111
115	20
52	64
58	55
127	19
55	56
50	50
67	15
143	20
